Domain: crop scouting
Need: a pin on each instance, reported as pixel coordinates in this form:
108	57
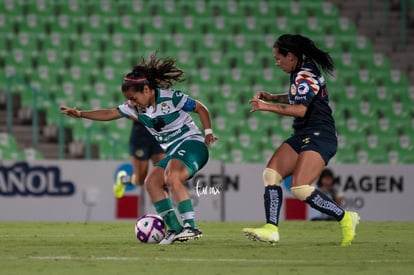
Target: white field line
211	260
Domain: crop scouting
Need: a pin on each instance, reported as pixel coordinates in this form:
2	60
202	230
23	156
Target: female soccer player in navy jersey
142	148
314	142
165	113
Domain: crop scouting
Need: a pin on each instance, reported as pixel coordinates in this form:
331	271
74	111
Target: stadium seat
9	148
76	52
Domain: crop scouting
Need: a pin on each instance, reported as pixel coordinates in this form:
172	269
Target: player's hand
257	104
210	139
72	112
263	95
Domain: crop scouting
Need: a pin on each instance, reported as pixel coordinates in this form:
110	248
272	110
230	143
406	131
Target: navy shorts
325	144
142	145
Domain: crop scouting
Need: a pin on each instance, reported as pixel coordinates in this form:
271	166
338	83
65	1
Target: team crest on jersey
293	89
139	153
165	109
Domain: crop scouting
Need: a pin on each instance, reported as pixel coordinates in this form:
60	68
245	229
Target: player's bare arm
101	115
298	110
277	98
205	119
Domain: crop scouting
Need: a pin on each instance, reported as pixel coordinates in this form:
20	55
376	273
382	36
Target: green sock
185	208
165	209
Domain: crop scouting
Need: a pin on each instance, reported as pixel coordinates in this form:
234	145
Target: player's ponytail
156	73
303	47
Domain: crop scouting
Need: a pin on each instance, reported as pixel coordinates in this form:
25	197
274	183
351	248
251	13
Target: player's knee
302	192
171	178
153	181
271	177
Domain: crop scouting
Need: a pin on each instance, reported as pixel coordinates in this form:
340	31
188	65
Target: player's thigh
155	158
154	184
193	155
308	168
155	178
283	160
176	171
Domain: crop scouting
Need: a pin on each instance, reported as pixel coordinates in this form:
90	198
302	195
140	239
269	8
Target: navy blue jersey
308	88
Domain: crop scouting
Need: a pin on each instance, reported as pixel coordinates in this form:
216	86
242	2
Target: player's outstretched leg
273	197
348	224
119	186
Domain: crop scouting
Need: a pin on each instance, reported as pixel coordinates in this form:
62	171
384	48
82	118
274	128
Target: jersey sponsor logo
139	153
303	88
181	152
297	98
169	136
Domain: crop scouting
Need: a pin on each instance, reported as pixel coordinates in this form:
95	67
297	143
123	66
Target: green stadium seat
105	8
405	155
32	154
71	8
92	24
347	156
19	58
23	40
78	51
9	149
124	24
62	24
51	58
58	41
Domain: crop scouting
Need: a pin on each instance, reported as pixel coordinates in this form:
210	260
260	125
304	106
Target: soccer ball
150	228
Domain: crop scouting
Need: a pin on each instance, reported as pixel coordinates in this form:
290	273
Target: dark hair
156	73
303	47
326	173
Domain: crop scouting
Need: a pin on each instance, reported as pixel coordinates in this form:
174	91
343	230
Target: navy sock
321	202
273	197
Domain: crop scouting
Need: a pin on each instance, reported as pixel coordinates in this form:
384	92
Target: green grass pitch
111	248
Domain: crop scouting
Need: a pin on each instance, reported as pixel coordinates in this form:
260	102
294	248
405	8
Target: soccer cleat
348	224
188	233
169	237
119	187
268	233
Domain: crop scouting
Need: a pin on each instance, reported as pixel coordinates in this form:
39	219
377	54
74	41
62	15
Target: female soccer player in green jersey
165	113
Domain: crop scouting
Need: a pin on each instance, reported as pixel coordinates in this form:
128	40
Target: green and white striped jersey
167	122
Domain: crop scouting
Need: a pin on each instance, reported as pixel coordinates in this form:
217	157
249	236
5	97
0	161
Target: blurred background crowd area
76	52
